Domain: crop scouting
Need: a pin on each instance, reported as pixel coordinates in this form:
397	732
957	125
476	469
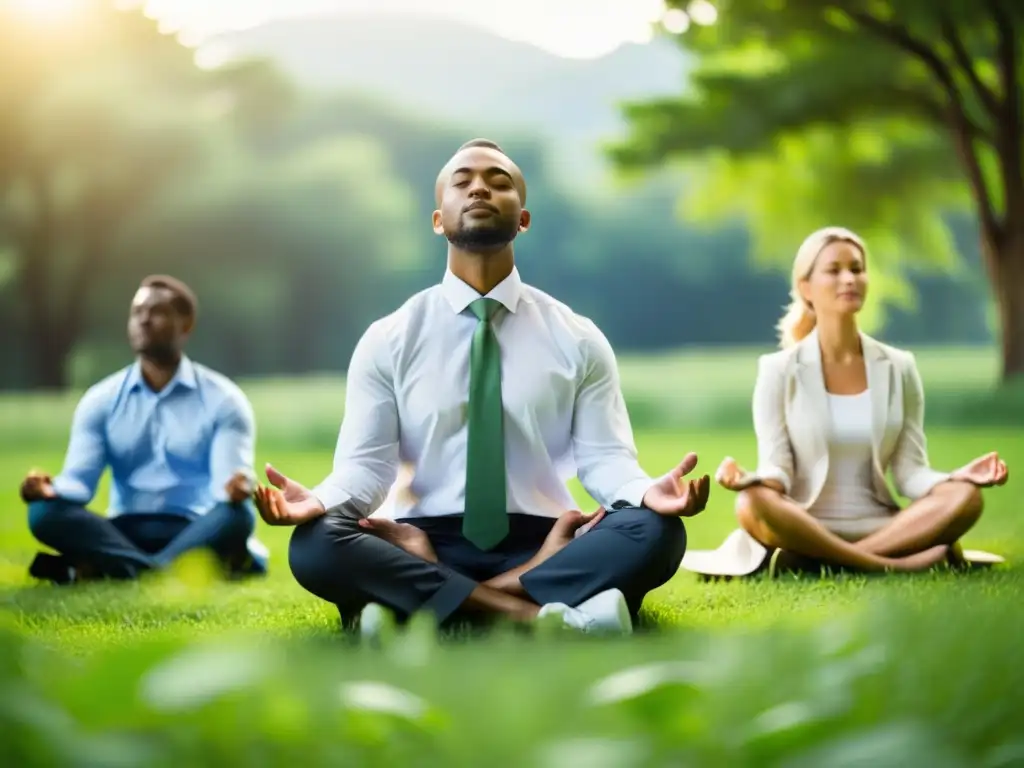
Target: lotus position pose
833	411
492	394
178	439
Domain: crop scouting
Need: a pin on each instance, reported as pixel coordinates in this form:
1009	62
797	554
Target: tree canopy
878	115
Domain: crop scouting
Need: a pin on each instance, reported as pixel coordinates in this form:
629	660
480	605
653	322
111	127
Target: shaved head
502	161
480	196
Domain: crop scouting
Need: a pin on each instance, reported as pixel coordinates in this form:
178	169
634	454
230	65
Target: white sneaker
374	620
604	613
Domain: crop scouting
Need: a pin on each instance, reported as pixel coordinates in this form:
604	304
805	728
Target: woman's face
838	283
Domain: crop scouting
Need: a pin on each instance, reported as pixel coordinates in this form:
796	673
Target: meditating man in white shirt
492	395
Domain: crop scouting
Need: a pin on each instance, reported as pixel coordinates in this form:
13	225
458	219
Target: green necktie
485	522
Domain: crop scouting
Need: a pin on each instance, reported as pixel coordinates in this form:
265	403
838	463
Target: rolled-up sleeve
911	470
366	457
774	450
86	456
233	447
602	437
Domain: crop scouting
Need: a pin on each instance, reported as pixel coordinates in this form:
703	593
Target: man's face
155	327
480	205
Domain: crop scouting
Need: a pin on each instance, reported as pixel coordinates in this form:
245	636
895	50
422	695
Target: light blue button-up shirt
168	451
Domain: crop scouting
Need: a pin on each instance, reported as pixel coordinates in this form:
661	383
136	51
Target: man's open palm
287	502
673	496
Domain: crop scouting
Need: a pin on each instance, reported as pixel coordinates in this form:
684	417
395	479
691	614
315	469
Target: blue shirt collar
185	376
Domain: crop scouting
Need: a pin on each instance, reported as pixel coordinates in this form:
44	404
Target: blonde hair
799	319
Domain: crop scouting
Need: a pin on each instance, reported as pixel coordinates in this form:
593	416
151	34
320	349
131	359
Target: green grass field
917	670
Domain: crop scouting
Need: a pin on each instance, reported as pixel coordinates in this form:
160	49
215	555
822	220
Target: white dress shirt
407	396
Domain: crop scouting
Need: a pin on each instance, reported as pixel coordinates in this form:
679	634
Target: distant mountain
467	76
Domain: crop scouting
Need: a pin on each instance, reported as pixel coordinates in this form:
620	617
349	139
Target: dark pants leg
225	529
336	560
633	550
87	540
124	546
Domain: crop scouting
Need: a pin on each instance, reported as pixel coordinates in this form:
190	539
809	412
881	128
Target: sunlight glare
567	28
44	10
675	21
212	55
641	35
702	12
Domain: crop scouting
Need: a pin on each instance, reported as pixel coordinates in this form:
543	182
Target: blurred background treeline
291	185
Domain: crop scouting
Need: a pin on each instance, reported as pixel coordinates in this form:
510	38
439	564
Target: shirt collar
185	376
460	295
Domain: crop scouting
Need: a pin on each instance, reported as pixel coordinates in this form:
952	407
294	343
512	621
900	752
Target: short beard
484	239
162	354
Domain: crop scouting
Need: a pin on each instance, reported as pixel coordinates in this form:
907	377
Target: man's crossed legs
125	546
426	564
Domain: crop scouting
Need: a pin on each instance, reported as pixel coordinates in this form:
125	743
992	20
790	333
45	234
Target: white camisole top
846	505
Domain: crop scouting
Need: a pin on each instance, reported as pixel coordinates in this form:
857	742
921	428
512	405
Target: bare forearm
568	527
774	485
508	582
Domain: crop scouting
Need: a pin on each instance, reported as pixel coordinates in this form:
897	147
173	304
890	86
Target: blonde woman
833	411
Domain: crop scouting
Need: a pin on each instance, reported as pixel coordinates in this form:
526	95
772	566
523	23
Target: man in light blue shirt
179	441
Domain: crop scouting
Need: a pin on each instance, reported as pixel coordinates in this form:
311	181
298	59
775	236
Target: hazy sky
575	28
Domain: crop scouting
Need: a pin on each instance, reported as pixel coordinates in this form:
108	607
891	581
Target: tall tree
877	114
101	113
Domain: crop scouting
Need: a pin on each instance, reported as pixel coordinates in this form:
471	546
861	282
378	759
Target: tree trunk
51	353
56	320
1004	257
50	341
1009	292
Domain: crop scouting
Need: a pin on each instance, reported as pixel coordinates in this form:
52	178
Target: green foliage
876	689
800	115
852	178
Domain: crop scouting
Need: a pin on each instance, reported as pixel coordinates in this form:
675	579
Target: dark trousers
125	546
634	550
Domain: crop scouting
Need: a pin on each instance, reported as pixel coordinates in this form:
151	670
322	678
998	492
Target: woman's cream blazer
791	418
